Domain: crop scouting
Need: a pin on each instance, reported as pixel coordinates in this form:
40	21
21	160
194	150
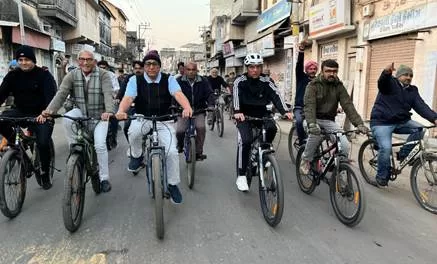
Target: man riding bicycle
91	90
391	114
32	88
304	74
253	91
322	96
152	94
199	93
216	82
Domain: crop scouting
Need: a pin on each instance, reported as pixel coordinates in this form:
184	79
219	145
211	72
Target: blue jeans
299	117
383	136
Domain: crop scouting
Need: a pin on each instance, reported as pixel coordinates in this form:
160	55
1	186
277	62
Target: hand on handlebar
106	116
187	112
121	116
42	118
239	117
289	116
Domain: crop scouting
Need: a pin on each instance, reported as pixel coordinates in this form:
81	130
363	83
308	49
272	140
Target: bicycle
263	164
190	148
20	161
293	143
217	117
343	184
156	173
81	168
420	158
229	106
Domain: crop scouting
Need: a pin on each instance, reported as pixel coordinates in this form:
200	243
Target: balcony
60	10
242	10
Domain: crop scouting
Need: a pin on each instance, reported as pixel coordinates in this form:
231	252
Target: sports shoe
175	194
135	164
242	183
200	156
105	186
381	182
305	167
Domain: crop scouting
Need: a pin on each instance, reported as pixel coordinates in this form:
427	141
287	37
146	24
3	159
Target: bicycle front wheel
74	193
347	195
52	160
293	144
190	159
220	123
159	195
423	180
211	122
13	183
306	181
368	161
272	194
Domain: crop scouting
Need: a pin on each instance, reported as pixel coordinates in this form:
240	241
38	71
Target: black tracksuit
250	98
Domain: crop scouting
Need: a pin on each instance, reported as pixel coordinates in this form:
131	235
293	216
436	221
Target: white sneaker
304	167
242	184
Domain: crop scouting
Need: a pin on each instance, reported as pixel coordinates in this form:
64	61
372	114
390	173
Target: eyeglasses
151	63
88	60
331	71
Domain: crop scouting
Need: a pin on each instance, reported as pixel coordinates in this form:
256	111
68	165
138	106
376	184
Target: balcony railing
242	10
63	10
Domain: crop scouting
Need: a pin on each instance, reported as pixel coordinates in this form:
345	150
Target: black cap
27	52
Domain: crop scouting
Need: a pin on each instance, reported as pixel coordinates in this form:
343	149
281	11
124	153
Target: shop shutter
399	50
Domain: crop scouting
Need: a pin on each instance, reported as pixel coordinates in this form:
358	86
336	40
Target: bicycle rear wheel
347	195
158	193
423	180
74	193
272	195
52	160
306	182
13	183
368	161
190	159
293	144
220	122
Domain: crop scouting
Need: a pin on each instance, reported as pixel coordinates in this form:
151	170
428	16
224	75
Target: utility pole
144	26
20	16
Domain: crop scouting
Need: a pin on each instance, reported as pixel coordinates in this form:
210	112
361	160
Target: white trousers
167	137
100	133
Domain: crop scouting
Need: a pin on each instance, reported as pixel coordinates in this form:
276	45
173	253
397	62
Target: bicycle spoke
427	185
13	184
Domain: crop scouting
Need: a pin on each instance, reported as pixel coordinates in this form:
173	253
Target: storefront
395	38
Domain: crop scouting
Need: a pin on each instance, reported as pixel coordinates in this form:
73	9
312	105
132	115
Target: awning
8	23
32	38
271	29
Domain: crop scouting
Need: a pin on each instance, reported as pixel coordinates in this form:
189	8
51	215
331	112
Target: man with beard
321	100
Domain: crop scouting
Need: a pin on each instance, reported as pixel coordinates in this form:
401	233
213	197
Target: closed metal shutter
399	50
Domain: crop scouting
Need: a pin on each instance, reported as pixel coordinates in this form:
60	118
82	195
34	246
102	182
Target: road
216	223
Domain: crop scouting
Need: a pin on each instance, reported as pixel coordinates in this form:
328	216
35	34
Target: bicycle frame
84	145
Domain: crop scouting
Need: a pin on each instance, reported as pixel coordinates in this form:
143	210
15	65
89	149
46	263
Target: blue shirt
131	90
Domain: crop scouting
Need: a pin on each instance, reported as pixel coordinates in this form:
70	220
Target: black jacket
32	90
252	95
394	102
302	81
123	86
200	94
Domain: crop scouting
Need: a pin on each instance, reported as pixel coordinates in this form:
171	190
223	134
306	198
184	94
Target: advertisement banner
329	16
273	15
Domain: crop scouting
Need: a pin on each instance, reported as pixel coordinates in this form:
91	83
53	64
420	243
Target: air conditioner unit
368	10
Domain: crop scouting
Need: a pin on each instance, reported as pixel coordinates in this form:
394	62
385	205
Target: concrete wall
87	15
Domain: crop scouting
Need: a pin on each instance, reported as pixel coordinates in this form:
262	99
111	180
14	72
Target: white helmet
253	59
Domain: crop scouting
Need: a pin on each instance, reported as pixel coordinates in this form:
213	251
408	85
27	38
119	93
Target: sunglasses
151	63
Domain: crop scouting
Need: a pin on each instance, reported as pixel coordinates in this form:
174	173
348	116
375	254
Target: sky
173	23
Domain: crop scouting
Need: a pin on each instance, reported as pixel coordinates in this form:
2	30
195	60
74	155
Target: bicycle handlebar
18	119
152	118
74	118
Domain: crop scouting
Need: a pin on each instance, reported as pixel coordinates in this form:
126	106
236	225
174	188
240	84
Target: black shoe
105	186
175	194
200	157
381	182
180	149
45	181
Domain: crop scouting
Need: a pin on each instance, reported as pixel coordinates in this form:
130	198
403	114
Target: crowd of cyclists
92	90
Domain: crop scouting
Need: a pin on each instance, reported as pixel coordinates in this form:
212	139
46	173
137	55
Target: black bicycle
263	164
345	190
81	168
217	117
156	173
20	161
190	148
423	162
293	143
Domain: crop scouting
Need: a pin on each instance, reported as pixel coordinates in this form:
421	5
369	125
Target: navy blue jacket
394	102
302	81
200	94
